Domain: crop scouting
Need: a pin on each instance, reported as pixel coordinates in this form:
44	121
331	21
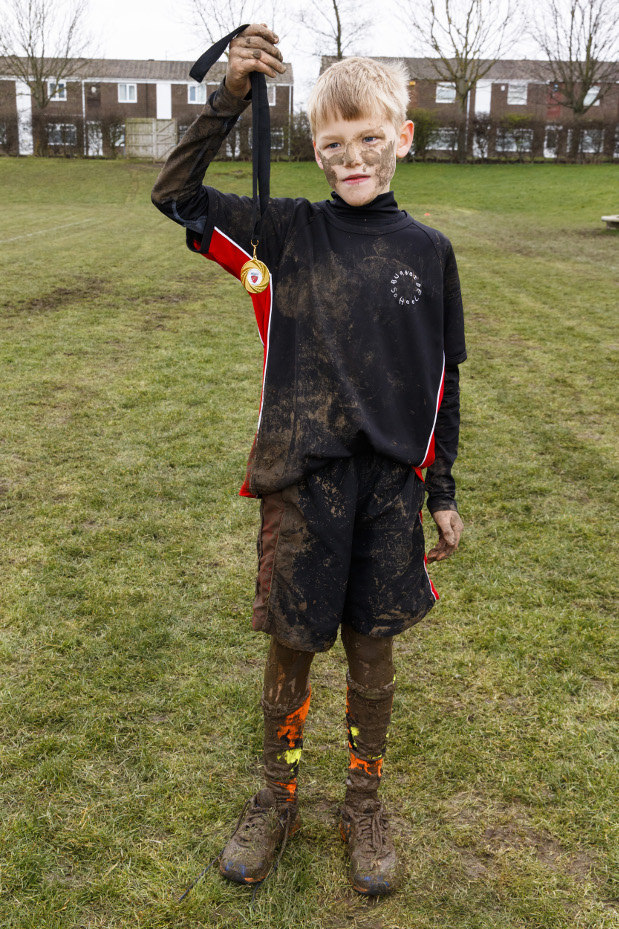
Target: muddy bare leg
364	824
285	703
369	700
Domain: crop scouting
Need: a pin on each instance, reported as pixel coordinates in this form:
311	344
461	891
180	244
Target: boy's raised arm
178	191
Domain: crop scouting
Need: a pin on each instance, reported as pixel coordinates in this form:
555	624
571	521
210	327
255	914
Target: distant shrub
301	148
426	127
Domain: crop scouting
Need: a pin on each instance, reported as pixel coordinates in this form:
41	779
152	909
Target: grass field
129	677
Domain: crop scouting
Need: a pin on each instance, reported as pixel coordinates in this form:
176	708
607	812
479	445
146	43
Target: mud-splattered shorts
345	544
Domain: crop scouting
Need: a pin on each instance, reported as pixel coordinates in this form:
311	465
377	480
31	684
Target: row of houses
89	112
112	106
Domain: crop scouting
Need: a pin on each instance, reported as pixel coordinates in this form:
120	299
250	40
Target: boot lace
371	827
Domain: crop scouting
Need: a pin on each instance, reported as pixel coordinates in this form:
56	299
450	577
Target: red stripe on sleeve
231	257
427	461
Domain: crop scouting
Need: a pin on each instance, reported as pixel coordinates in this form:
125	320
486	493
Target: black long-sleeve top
362	322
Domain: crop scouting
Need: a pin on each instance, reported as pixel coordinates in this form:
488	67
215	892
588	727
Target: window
64	134
127	93
517	94
591	97
94	139
551	141
271	94
591	141
445	93
514	140
233	145
444	139
277	139
57	90
196	93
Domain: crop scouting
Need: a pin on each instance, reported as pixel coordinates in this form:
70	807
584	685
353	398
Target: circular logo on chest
406	288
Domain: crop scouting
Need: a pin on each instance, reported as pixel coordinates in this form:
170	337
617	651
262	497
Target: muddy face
328	166
358	157
384	162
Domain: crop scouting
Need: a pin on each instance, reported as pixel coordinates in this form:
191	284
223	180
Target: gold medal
255	275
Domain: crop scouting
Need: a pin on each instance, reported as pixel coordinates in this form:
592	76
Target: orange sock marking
371	768
291	788
292	729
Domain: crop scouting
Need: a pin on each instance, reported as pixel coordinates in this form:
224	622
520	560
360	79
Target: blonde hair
354	87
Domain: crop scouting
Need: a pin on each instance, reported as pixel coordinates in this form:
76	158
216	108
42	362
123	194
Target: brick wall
8	119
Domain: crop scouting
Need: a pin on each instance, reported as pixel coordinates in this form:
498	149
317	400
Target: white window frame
198	92
57	90
94	138
509	141
590	96
551	151
62	127
233	145
517	93
272	94
444	139
445	92
277	140
587	144
127	97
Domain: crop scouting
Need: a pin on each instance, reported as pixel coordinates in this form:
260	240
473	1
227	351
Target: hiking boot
365	829
249	854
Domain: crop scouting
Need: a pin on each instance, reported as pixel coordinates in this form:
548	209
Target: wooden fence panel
150	138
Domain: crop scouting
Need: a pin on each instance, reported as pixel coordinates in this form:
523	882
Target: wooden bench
612	222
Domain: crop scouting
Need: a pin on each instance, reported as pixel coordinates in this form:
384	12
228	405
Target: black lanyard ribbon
261	125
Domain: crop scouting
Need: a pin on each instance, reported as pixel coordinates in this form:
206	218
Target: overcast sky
161	29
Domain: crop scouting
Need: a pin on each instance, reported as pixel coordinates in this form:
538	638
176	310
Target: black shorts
344	545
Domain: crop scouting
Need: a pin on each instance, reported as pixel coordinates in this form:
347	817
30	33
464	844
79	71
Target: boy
363	332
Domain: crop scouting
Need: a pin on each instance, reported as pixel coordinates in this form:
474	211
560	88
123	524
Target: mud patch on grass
326	811
169	299
153	321
58	298
510	830
547	850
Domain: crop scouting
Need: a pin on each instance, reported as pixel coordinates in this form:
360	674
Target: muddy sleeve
440	485
180	194
453	314
178	191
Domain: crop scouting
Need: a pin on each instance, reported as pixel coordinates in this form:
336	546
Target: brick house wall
9	142
90	119
520	108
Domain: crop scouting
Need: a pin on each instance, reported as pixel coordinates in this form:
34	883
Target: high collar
382	210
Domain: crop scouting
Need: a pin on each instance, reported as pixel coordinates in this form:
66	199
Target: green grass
129	676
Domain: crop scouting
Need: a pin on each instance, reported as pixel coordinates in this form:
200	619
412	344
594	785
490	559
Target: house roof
507	69
147	70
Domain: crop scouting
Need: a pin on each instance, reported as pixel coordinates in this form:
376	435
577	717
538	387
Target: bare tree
216	18
336	25
580	40
466	37
43	42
